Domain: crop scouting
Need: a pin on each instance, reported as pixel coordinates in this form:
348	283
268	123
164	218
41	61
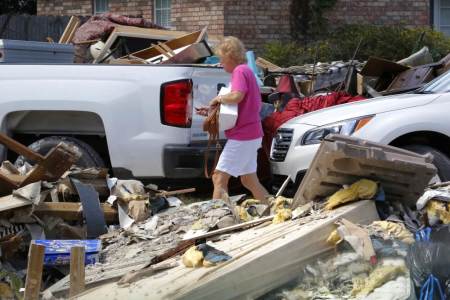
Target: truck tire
440	160
89	157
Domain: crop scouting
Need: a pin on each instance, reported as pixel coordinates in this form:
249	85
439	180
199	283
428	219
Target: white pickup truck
418	121
136	119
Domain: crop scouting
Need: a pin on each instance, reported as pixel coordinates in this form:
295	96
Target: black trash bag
428	257
158	204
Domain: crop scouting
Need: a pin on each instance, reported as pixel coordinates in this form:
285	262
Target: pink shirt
248	124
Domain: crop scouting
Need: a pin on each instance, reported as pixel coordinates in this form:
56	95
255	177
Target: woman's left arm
231	98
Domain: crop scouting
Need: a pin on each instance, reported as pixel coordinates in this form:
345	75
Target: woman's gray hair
233	48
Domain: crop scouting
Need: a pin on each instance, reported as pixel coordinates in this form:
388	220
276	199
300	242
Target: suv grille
281	143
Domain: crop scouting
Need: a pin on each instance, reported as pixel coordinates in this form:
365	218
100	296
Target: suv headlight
348	127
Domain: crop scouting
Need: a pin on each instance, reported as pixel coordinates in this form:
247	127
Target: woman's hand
202	111
215	101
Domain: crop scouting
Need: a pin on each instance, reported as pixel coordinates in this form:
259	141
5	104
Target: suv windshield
440	84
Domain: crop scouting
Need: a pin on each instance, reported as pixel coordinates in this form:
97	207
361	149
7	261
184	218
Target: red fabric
286	85
296	107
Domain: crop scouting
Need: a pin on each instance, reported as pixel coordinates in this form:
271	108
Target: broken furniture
395	78
342	160
191	47
136	32
385	70
47	168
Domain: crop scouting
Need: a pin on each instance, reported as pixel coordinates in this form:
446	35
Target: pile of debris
326	242
55	206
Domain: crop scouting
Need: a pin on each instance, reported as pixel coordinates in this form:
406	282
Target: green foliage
306	17
389	42
18	7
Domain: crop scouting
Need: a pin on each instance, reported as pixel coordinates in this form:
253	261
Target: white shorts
239	157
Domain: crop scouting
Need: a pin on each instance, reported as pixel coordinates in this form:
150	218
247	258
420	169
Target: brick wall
140	8
136	8
192	15
64	7
257	22
380	12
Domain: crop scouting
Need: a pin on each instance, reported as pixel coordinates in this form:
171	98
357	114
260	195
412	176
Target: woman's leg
220	180
251	182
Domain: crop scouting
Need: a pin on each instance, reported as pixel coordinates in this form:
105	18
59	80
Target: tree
18	7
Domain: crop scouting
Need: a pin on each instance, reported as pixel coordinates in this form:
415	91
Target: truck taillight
176	103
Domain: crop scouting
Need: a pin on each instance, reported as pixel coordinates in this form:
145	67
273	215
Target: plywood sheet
263	259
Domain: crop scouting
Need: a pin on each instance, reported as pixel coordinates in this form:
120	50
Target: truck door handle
219	86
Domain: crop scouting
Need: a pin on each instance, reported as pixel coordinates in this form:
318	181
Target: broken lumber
176	192
48	168
72	211
19	148
262	259
76	270
34	272
54	164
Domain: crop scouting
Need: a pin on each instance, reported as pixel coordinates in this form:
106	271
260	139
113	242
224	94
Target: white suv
417	121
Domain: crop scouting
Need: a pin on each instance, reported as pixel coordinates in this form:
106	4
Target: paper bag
228	112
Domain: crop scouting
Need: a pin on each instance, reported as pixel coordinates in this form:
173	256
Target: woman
239	156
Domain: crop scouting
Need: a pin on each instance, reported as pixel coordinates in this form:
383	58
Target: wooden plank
72	211
76	271
19	148
9	202
167	48
262	259
34	272
69	31
73	30
162	51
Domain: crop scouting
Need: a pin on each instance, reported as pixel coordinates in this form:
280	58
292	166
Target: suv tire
89	157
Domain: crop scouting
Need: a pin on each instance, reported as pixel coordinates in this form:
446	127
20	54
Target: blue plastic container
57	252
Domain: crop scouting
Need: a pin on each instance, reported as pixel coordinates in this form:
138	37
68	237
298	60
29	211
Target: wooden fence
32	28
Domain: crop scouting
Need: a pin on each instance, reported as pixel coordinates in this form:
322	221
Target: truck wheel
440	160
89	157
